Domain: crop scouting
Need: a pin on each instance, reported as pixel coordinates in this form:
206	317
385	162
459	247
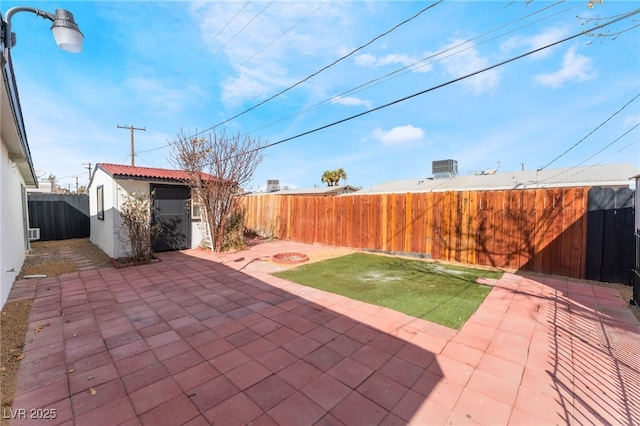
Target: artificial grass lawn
444	294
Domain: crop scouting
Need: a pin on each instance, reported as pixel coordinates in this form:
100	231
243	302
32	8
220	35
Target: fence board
472	227
447	214
481	233
428	207
408	223
539	230
501	227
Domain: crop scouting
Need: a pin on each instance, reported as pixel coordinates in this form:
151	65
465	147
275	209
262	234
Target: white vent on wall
34	234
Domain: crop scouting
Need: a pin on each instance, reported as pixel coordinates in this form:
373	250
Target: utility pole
133	161
88	168
76	184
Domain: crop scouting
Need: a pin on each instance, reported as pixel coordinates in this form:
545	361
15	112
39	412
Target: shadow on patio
189	340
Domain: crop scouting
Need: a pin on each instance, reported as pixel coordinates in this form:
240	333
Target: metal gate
610	235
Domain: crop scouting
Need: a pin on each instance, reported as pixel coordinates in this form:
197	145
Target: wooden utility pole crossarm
133	161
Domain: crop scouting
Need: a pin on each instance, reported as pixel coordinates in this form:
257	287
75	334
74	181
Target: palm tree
332	177
340	174
327	178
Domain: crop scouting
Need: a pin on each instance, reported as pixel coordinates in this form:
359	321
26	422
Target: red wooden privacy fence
541	230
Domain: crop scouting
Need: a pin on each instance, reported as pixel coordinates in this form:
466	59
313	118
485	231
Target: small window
100	196
196	213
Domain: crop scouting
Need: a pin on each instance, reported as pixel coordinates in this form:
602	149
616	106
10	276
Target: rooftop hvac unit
34	234
273	185
444	169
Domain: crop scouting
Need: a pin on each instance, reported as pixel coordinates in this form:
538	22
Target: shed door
171	211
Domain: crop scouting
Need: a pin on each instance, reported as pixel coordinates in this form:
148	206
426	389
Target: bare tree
218	167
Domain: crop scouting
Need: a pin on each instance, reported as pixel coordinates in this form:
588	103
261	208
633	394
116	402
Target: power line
284	33
223	28
608	145
590	133
242	29
310	76
412	67
499	64
586	32
406	69
323	68
623	148
589	158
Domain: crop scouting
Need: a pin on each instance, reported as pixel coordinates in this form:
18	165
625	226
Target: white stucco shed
107	189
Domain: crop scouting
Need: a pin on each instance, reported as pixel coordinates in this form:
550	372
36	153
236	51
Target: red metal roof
122	171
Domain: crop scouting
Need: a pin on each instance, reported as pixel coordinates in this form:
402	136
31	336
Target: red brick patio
203	339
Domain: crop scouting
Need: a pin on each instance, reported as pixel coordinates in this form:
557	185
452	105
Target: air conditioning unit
444	169
34	234
273	185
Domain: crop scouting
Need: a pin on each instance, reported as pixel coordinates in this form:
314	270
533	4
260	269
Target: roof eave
17	143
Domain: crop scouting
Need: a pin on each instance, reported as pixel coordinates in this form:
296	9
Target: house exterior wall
104	232
13	214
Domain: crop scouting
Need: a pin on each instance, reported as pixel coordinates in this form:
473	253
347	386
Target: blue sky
181	66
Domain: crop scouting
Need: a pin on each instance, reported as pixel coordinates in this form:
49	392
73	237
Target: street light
65	30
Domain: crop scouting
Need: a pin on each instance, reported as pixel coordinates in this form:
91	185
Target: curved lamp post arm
65	30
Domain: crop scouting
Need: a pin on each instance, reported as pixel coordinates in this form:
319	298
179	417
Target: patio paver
201	338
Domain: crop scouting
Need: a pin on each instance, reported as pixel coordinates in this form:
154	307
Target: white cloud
368	60
399	135
251	83
631	120
350	101
575	68
159	97
262	43
466	61
365	60
548	36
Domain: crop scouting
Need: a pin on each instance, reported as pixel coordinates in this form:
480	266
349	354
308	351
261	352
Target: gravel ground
44	258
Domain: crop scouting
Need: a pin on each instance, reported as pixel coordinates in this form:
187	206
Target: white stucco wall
196	233
12	231
101	233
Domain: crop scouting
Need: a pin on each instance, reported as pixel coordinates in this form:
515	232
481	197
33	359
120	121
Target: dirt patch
50	258
290	258
13	327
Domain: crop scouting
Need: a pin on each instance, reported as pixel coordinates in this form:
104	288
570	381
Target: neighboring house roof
610	175
120	171
43	188
14	134
323	190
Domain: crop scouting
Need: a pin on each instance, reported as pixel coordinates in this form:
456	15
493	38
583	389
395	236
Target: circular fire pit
290	258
